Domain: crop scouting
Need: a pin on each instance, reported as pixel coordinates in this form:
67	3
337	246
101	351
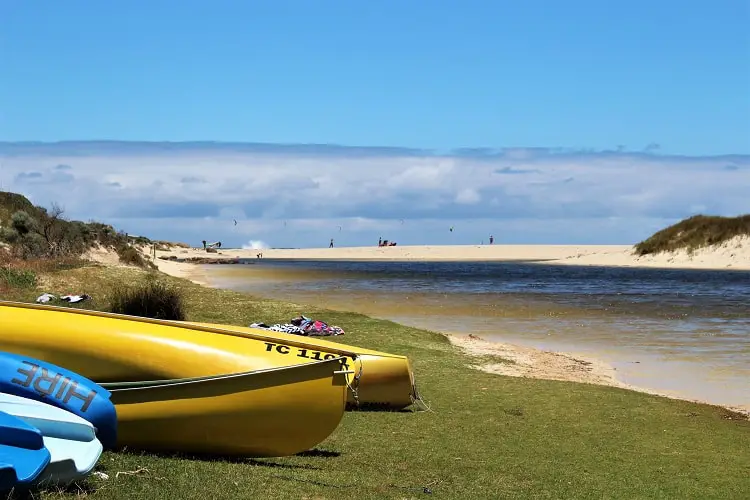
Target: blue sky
416	84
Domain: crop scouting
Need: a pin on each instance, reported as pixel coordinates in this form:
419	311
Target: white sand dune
732	254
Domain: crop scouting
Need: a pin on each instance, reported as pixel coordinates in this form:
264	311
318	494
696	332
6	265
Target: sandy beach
183	270
733	255
550	365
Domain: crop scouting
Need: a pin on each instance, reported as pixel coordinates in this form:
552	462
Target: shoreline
530	362
516	360
731	255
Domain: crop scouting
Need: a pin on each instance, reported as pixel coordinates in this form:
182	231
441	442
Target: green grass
17	278
694	233
486	436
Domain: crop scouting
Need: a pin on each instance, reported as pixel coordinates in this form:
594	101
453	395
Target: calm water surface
686	332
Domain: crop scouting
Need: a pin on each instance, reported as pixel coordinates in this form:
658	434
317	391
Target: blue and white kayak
56	386
23	455
71	440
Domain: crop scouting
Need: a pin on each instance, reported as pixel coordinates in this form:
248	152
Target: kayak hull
70	439
266	413
23	456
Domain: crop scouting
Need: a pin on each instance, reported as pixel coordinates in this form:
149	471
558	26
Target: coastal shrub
22	236
695	232
44	234
34	232
13	202
131	256
152	299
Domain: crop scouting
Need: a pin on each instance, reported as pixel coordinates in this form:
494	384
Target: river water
681	332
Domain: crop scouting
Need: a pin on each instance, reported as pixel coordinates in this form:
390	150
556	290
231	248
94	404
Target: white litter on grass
45	297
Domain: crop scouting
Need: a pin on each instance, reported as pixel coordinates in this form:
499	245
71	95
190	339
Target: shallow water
685	332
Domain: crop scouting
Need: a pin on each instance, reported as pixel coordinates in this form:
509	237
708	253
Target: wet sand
536	363
554	365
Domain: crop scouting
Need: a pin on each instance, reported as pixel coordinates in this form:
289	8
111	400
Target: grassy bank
487	436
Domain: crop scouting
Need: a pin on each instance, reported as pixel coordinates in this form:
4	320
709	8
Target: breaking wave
255	245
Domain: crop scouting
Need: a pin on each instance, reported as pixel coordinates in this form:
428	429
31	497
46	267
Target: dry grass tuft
152	299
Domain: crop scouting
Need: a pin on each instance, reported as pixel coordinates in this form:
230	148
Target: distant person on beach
331	245
380	241
492	239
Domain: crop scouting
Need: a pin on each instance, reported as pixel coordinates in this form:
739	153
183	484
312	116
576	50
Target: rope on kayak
418	400
355	386
421	402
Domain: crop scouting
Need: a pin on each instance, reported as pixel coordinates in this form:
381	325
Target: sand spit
733	254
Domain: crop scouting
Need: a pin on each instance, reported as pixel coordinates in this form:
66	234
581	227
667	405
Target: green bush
131	256
153	299
34	232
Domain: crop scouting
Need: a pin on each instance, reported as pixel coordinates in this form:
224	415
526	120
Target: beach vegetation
130	255
23	273
29	232
696	232
152	298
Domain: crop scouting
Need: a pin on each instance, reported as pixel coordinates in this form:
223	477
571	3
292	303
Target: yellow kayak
386	379
265	413
108	347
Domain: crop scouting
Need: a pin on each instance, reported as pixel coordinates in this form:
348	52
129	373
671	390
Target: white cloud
468	196
303	196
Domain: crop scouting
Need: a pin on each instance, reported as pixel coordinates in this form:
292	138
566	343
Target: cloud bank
304	195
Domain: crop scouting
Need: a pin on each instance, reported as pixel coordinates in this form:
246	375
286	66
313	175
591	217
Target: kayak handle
343	372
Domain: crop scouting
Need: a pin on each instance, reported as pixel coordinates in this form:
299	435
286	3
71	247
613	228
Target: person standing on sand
331	245
492	239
